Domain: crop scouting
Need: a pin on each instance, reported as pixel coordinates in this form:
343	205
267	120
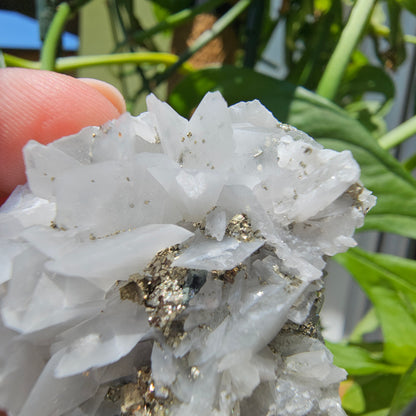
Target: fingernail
109	91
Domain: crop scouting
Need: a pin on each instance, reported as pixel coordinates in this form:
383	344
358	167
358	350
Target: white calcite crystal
159	266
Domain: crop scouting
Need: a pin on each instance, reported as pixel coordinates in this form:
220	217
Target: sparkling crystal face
182	273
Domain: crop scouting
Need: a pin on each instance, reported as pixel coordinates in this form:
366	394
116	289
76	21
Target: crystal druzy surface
160	266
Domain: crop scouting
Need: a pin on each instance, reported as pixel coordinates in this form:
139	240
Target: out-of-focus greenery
324	93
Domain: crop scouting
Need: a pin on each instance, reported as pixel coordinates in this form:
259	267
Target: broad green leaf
366	78
378	392
394	187
367	324
410	163
408	4
353	399
358	361
381	412
405	392
368	114
390	283
361	78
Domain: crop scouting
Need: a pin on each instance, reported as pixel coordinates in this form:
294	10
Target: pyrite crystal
182	273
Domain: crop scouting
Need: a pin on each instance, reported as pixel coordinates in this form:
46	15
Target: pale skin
45	106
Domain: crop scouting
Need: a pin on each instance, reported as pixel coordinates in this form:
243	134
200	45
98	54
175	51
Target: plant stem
53	37
206	37
254	26
409	39
12	60
399	134
220	25
173	20
75	62
384	31
168	59
331	79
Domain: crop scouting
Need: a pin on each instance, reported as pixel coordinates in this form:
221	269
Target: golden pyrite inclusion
160	266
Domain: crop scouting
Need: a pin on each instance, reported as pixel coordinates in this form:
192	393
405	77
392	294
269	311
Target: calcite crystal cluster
160	266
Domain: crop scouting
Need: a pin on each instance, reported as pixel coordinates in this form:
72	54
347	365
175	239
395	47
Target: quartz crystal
160	266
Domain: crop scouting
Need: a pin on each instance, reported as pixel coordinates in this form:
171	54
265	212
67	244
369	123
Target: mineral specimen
159	266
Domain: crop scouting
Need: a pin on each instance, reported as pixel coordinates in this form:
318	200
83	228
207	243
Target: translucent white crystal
51	395
103	261
165	367
24	209
21	364
8	251
216	223
102	340
177	258
43	165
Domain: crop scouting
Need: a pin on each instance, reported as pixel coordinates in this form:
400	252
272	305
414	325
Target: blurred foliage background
103	26
324	66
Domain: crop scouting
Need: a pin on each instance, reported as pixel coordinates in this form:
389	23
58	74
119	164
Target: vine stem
385	32
398	134
53	36
331	79
75	62
206	37
11	60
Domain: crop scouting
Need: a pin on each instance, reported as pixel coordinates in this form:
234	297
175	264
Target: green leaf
390	283
173	6
369	115
408	4
405	392
358	361
410	163
366	78
367	325
353	399
378	392
381	412
334	128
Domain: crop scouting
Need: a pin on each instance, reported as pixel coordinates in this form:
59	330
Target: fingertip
109	91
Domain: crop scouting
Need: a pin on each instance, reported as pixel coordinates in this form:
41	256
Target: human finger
44	106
